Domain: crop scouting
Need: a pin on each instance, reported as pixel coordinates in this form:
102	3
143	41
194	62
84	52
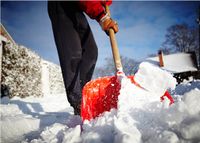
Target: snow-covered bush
55	79
21	72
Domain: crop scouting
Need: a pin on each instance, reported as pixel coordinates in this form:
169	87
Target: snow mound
192	102
140	117
12	121
154	79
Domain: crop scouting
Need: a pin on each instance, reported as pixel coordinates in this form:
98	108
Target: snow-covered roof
4	33
179	62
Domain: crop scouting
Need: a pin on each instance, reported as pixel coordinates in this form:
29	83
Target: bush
21	72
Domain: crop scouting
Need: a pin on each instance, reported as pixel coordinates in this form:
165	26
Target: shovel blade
100	95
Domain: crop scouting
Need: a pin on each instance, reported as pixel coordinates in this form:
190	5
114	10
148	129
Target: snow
140	117
154	79
45	78
179	62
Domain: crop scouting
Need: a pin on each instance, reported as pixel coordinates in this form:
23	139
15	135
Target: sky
142	26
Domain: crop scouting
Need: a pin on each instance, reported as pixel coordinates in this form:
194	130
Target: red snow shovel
101	94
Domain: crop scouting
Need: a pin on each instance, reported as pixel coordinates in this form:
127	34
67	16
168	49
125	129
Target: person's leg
69	50
88	45
89	49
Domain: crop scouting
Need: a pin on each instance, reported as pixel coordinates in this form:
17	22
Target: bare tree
181	37
129	67
165	51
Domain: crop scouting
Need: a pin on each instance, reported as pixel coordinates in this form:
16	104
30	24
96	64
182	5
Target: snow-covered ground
140	117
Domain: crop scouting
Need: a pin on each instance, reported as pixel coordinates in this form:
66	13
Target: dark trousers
76	47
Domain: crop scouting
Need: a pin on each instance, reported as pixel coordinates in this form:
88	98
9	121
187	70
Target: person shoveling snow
78	63
75	43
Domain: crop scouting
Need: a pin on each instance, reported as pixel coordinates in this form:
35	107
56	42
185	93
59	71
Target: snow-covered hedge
21	72
55	79
25	74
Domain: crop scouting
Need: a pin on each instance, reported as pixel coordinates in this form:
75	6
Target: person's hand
106	23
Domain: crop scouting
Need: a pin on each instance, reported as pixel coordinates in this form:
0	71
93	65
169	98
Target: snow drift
140	116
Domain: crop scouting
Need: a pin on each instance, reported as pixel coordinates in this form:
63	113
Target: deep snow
140	117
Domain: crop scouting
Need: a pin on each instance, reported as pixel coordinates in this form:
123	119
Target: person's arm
95	10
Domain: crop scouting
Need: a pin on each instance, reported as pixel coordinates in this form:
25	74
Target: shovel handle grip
115	50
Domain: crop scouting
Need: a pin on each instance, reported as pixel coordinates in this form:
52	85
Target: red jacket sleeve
94	9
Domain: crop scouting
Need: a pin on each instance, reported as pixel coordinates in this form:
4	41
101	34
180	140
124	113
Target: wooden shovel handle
115	50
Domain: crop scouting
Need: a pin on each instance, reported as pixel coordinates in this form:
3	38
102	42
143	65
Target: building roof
4	33
176	63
